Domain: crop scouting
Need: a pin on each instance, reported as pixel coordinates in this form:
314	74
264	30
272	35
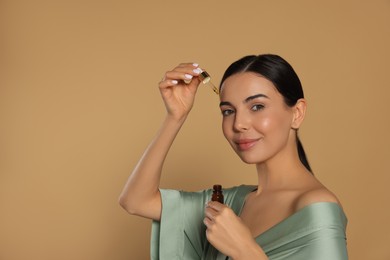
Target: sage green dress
316	232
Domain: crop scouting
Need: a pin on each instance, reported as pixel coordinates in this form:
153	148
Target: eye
257	107
227	112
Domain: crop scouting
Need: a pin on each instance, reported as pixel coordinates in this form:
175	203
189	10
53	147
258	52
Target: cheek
274	122
225	128
266	123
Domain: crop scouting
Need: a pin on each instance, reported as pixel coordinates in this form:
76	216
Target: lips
246	144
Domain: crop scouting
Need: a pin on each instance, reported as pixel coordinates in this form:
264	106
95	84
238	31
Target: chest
261	215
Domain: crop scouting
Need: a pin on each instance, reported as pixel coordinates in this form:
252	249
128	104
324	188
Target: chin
249	159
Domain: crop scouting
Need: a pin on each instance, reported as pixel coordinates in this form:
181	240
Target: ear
299	111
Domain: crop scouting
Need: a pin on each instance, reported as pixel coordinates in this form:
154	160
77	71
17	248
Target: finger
210	213
189	68
166	83
186	71
208	222
185	75
188	64
183	72
217	206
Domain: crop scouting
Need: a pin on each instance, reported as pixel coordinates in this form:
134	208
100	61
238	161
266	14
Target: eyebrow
226	103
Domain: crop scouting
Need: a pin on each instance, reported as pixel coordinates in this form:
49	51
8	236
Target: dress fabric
315	232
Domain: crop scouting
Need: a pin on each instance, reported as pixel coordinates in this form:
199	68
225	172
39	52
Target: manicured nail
195	64
197	70
188	76
174	82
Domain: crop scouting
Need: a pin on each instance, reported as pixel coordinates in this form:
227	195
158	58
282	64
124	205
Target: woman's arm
141	195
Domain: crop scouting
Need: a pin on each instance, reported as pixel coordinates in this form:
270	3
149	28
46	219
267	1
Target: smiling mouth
244	145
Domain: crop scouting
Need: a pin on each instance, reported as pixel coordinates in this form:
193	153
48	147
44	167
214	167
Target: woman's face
256	121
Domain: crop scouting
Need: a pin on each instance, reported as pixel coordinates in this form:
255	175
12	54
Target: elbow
143	206
126	205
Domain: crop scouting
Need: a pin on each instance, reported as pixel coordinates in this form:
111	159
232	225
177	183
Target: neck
281	171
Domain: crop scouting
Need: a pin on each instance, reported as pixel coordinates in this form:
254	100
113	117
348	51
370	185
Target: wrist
175	119
252	251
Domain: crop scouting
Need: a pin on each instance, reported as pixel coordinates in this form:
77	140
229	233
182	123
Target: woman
289	214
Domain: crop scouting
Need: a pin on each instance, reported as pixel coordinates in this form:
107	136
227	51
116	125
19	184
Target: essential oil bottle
217	193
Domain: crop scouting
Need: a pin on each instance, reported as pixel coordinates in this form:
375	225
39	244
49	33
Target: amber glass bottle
217	193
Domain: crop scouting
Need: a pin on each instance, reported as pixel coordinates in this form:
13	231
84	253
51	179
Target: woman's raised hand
179	96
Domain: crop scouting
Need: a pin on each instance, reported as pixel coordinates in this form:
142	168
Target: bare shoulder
313	195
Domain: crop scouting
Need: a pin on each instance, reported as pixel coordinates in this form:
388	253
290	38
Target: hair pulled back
281	74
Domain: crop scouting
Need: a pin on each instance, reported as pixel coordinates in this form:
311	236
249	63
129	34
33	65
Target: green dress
316	232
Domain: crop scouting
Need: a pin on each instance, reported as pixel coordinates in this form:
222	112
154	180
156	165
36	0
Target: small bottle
217	193
206	80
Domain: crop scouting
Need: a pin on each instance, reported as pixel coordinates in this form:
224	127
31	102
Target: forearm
141	195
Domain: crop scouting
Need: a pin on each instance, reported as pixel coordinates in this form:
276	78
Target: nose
241	122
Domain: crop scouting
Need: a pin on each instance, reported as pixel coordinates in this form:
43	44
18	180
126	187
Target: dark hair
281	74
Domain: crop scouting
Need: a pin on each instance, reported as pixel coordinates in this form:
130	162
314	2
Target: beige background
79	103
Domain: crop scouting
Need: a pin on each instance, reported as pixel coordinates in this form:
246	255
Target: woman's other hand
179	96
227	233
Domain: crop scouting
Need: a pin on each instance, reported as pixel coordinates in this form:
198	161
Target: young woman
289	214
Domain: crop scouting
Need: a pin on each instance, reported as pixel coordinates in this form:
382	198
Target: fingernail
197	70
188	76
174	82
195	64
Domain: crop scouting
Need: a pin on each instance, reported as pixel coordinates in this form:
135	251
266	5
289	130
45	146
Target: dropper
206	80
